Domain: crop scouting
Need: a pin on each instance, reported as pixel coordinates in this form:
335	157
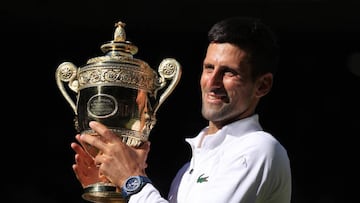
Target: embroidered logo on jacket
202	179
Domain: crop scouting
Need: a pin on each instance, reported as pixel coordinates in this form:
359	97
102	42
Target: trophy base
102	193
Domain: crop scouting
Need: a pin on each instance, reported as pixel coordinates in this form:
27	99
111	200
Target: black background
313	107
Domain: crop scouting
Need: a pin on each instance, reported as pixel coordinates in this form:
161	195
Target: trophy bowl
120	91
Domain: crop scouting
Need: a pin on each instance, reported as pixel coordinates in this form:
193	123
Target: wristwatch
133	185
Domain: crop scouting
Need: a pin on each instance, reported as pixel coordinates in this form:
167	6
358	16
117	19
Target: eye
208	68
228	72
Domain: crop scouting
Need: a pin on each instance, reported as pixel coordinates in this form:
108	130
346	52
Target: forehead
224	54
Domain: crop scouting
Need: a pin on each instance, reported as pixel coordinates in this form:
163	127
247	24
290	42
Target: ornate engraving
66	72
169	69
120	75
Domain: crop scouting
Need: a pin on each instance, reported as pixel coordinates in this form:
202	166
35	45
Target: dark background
313	107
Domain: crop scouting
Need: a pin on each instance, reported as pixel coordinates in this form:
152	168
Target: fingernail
91	123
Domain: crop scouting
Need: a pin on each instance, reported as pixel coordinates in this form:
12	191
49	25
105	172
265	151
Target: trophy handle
169	69
66	72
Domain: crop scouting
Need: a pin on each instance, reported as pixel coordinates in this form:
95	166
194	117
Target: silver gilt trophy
120	91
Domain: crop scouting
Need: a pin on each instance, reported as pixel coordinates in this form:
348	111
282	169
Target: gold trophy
120	91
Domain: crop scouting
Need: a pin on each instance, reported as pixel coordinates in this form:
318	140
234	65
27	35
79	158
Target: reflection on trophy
120	91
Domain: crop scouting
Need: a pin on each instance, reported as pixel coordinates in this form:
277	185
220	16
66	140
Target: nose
215	79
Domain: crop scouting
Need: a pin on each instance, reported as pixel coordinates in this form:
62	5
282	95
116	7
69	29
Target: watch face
132	184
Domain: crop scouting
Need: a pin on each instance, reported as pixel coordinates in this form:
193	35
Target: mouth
214	98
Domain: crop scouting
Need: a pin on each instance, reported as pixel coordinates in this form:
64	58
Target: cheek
202	81
240	99
238	92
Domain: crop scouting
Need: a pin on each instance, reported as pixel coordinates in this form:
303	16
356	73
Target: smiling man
233	159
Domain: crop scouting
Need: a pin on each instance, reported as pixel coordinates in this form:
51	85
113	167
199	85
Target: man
233	160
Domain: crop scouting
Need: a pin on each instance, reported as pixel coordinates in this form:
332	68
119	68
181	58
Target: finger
143	152
98	161
84	178
102	130
94	141
77	137
77	148
145	146
103	178
84	162
144	149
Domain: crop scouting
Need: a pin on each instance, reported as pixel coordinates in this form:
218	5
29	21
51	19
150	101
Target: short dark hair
254	37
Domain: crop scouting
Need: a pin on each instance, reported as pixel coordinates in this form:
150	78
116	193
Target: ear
264	84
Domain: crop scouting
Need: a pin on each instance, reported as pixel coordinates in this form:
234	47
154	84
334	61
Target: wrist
133	185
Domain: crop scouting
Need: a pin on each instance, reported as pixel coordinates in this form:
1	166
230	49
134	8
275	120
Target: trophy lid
119	46
119	49
118	66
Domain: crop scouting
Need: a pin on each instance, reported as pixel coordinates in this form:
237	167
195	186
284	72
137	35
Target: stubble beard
215	112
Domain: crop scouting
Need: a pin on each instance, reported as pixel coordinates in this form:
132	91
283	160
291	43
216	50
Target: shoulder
258	145
255	140
264	141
